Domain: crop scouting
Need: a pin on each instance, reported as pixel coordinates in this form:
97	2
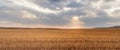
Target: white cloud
28	15
78	1
114	23
90	14
67	9
115	14
31	5
97	5
108	6
9	24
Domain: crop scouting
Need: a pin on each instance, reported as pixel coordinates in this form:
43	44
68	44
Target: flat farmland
59	39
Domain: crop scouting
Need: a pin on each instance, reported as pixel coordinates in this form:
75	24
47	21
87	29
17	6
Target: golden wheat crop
47	39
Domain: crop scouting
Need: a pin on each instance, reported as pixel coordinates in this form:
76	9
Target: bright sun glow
75	22
75	19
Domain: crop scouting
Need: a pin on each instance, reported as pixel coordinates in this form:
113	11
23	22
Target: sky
59	13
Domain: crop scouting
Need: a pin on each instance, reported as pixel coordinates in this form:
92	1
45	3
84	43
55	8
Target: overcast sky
59	13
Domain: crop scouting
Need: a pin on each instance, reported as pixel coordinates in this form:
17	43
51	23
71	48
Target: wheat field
58	39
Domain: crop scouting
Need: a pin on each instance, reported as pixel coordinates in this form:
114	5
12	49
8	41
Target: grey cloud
56	0
98	21
108	0
75	5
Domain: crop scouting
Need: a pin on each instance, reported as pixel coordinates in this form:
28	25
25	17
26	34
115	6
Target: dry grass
43	39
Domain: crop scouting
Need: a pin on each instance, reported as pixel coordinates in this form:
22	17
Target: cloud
9	24
59	13
28	15
113	23
115	14
30	5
